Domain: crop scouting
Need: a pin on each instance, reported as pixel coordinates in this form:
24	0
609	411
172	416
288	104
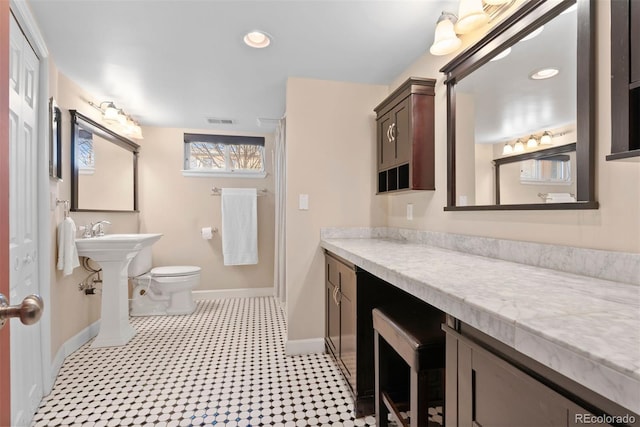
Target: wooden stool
416	337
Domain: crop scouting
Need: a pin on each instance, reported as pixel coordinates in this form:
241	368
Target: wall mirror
104	168
520	112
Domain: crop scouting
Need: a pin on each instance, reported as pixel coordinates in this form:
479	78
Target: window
536	171
85	154
223	155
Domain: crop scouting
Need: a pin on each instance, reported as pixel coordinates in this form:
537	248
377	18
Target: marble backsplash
608	265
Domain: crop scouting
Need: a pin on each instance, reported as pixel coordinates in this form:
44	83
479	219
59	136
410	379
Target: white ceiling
174	63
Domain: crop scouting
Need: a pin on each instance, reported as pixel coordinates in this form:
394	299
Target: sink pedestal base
115	329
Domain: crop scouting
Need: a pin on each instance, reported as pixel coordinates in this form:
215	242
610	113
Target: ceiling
175	63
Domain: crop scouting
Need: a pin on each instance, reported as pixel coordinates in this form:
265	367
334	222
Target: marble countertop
587	329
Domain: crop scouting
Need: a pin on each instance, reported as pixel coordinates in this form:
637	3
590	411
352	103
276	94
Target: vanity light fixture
471	16
110	112
545	73
117	116
445	41
546	138
507	149
257	39
532	142
518	147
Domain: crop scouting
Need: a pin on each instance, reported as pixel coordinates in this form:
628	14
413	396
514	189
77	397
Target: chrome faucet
97	229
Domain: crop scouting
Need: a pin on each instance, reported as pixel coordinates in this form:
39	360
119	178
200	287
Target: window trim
226	140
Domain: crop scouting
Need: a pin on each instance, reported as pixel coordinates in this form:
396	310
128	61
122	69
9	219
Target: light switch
410	211
303	202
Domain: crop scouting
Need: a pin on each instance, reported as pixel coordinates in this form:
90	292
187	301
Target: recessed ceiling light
533	34
257	39
545	73
501	55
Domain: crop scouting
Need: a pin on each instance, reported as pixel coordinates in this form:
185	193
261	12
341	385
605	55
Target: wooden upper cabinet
405	137
625	79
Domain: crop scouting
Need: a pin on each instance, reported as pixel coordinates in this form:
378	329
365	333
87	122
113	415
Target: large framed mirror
104	168
526	87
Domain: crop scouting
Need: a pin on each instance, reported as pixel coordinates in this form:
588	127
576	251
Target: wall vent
219	121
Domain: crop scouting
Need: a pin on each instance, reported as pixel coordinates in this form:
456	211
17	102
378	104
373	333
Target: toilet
161	290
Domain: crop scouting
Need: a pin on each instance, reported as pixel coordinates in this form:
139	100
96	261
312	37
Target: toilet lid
175	270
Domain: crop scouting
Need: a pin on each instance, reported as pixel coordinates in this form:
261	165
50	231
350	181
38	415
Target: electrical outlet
410	211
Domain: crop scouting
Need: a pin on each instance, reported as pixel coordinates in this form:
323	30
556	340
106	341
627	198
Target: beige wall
615	226
330	157
180	206
85	309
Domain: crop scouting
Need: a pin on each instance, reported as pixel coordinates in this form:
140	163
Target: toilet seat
174	271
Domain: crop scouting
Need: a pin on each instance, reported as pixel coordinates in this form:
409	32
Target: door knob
29	311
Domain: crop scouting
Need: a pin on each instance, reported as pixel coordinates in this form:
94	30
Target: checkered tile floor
224	365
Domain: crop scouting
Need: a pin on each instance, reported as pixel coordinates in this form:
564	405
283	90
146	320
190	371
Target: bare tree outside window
230	155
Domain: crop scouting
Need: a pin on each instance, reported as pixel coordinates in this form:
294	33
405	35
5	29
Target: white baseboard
71	345
233	293
313	345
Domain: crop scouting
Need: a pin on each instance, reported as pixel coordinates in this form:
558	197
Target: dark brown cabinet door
386	144
402	133
332	333
332	308
348	323
503	396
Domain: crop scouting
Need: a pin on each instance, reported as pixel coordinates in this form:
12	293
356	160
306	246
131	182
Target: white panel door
26	364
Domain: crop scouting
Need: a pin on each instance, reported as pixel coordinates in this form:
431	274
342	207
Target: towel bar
216	191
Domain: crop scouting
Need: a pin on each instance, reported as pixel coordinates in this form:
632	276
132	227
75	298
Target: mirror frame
532	155
78	119
55	140
521	22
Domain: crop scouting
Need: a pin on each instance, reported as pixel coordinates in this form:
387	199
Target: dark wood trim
5	364
529	207
413	85
78	118
632	154
539	154
524	20
451	146
586	106
103	131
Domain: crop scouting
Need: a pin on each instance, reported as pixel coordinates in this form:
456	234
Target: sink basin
110	244
114	252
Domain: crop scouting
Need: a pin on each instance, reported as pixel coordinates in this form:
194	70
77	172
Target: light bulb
445	40
532	142
507	149
518	146
546	138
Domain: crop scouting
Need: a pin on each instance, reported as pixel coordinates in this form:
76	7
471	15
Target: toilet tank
141	263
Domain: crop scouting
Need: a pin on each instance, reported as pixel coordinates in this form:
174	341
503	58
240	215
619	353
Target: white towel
239	226
67	251
559	198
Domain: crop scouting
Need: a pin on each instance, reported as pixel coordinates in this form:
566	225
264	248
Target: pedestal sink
114	252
